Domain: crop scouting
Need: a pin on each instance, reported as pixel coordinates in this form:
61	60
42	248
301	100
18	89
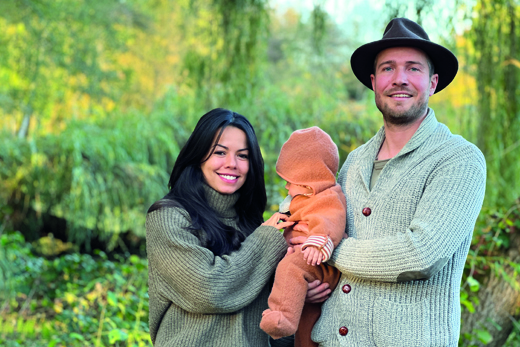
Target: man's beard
404	117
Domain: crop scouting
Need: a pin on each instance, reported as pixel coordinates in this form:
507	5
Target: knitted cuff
324	244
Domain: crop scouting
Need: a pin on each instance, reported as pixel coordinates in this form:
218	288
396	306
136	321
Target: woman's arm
196	280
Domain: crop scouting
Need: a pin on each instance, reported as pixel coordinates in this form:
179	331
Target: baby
309	162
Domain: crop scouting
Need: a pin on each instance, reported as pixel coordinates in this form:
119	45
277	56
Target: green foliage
494	37
73	300
43	61
99	175
115	88
486	255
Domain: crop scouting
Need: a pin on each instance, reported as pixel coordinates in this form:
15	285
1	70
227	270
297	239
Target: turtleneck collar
223	204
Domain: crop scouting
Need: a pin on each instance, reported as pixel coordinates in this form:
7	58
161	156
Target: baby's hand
312	255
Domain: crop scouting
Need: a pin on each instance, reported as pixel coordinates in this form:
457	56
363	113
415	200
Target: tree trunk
483	45
499	301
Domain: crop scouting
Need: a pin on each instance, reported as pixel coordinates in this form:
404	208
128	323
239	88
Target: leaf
474	285
112	299
484	336
469	306
134	259
76	336
117	335
495	324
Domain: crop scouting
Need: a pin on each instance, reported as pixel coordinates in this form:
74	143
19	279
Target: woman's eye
243	156
219	153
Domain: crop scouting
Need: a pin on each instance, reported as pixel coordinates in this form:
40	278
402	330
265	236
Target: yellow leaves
461	92
49	246
58	306
108	104
512	62
291	17
70	298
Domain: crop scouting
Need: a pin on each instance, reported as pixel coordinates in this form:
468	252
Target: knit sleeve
444	217
196	280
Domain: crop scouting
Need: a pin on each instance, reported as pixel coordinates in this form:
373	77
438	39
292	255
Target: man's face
402	84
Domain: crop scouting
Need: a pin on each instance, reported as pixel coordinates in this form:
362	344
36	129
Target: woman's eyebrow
242	149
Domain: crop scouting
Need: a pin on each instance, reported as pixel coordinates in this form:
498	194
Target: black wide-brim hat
402	32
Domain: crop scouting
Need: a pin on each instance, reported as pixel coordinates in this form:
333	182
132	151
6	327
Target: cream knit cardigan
404	261
198	299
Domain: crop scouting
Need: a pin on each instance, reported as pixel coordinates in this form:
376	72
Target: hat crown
404	28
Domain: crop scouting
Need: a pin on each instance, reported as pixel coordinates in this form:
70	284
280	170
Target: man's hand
312	255
317	292
275	219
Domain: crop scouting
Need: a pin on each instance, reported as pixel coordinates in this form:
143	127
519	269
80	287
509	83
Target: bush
72	300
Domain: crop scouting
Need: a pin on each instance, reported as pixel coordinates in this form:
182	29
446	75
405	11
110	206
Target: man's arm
445	216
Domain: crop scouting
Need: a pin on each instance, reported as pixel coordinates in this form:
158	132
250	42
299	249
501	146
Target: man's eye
387	68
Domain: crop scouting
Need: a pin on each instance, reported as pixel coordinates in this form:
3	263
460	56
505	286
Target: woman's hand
317	292
275	219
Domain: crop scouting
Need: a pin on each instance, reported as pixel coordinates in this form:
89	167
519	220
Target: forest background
97	97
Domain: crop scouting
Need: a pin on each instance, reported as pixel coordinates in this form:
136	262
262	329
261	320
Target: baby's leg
288	295
312	312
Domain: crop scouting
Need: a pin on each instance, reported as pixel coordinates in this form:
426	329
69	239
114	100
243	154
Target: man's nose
400	77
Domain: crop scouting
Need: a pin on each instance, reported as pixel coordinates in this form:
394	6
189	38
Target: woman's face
226	168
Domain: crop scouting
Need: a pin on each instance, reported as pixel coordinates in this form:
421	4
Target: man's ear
434	80
373	79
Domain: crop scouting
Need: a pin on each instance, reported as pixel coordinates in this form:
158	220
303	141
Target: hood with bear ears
309	157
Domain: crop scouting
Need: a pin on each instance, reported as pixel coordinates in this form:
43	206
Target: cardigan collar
223	204
427	127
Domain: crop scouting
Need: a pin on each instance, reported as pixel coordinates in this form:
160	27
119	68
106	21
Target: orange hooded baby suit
309	158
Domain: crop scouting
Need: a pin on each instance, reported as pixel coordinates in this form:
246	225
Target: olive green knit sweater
199	299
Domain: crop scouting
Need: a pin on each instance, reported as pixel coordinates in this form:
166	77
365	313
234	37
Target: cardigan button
346	288
367	211
343	331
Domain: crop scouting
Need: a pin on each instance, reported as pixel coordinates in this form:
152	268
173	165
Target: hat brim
444	61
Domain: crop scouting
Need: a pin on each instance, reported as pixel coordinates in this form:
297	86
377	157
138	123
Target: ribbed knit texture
199	299
423	210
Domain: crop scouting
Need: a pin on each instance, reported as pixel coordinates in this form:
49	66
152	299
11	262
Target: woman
210	256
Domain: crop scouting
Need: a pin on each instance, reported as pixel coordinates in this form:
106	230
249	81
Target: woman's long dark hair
186	183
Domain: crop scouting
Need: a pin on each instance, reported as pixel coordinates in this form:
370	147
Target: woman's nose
231	161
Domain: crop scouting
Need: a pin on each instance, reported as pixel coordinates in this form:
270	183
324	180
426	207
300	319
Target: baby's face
296	189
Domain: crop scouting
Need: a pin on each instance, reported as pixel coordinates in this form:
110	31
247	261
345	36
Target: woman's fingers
279	221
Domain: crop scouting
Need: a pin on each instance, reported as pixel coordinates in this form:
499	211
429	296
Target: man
413	194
